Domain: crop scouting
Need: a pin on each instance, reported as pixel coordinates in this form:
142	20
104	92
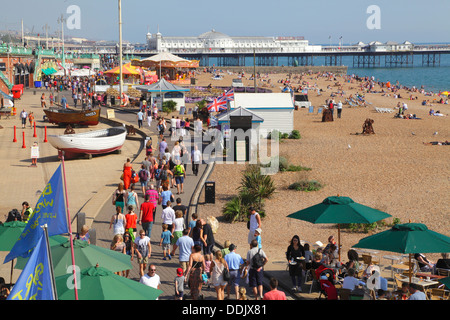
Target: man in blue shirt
185	243
235	262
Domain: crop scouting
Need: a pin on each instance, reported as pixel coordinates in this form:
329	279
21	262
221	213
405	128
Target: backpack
163	175
143	175
158	174
257	260
179	170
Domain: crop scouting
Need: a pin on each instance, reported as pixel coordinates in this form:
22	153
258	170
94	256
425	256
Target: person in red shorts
146	216
274	293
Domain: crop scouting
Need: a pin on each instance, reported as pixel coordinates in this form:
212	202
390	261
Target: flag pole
50	262
70	227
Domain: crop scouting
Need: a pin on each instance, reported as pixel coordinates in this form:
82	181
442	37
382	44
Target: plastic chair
314	279
344	294
443	272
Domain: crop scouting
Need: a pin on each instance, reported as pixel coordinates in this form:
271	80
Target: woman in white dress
217	267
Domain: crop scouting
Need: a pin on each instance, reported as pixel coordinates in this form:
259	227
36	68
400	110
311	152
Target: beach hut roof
225	117
161	86
262	101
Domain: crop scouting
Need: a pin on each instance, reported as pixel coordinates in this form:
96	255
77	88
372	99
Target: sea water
433	79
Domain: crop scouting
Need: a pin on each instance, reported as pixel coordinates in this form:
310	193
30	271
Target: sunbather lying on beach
437	143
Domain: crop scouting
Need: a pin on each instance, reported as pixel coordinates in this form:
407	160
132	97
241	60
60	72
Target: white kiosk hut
275	109
165	90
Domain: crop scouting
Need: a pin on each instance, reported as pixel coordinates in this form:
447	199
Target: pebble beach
392	170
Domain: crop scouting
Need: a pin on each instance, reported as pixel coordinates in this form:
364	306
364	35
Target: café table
393	257
424	283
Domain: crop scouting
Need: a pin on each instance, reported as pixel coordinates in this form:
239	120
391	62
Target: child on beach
258	237
179	284
165	241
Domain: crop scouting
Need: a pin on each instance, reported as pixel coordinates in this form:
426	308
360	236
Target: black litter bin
113	101
210	192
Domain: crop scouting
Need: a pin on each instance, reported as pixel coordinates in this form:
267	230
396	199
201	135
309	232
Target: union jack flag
219	104
229	95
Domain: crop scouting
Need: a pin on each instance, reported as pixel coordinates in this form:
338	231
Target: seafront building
214	41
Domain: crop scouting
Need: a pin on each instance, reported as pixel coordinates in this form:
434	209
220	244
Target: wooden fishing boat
63	116
89	143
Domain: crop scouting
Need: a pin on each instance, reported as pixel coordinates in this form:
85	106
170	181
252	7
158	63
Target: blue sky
414	20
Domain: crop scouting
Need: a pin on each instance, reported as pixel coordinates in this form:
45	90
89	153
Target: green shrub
169	106
233	210
297	168
305	185
295	134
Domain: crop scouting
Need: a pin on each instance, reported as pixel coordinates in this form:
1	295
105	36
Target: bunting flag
219	104
36	281
50	210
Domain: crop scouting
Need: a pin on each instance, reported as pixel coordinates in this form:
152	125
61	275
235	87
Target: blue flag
51	210
35	282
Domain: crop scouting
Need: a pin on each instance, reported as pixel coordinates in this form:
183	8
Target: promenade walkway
90	185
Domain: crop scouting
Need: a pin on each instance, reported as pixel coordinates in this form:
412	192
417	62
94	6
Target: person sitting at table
333	255
381	294
382	284
443	263
369	270
424	264
351	282
331	241
416	294
402	293
317	261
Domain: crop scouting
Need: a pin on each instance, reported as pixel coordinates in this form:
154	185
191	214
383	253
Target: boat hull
73	117
90	143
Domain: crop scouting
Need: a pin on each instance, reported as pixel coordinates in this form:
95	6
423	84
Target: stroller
327	278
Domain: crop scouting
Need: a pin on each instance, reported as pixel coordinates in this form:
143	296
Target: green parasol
9	233
408	238
86	255
445	281
99	283
338	210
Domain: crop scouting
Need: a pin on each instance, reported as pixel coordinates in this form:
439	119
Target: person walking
274	293
339	109
118	245
168	216
256	259
153	197
145	218
132	198
293	252
24	117
196	160
140	118
127	168
151	279
143	249
186	245
235	264
194	272
254	223
180	175
119	197
218	265
131	220
118	221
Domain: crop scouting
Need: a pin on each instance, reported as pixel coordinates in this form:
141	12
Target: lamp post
63	59
120	50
